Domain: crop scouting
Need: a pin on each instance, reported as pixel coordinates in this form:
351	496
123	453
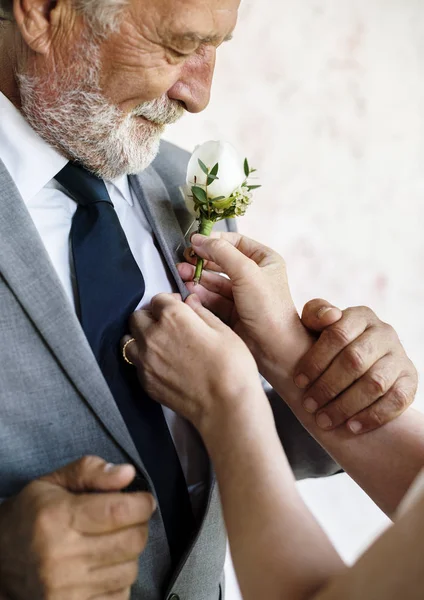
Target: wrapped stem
205	228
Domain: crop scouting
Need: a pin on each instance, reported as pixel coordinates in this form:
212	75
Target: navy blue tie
110	286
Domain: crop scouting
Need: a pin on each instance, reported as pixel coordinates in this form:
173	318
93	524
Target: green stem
205	228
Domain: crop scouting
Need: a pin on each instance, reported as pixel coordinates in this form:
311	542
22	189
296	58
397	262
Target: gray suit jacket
55	404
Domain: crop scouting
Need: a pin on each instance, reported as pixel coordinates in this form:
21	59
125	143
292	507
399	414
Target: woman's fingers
235	254
191	257
220	306
206	315
212	282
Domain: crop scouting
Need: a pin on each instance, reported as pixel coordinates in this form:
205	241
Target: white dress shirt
33	164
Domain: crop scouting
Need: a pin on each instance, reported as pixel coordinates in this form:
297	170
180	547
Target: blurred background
326	98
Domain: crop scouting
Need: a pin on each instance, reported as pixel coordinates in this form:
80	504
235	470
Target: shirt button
174	597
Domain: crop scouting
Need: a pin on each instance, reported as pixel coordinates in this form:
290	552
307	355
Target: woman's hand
192	362
255	301
355	373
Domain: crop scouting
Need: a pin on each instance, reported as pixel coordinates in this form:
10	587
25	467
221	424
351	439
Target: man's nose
193	87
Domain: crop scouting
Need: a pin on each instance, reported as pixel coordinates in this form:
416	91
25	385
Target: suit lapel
26	267
157	206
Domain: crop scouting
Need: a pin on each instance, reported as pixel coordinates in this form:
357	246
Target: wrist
283	352
232	412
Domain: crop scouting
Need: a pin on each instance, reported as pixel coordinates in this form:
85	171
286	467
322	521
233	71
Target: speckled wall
327	99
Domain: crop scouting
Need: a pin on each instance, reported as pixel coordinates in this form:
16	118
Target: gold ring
124	348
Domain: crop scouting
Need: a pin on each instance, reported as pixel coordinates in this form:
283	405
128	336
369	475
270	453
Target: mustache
162	111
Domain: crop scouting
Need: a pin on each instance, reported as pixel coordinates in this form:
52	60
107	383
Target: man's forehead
207	21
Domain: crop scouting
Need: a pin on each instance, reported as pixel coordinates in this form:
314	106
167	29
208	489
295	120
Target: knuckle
390	334
376	384
336	335
400	398
119	512
374	418
352	360
88	462
364	311
138	539
323	391
311	367
43	523
339	412
125	576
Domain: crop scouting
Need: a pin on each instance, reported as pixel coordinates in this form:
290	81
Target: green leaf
246	168
200	194
253	187
203	167
218	198
213	174
211	179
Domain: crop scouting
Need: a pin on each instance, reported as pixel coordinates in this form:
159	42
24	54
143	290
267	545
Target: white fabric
32	165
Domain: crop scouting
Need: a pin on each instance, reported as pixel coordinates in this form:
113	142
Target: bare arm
279	550
257	304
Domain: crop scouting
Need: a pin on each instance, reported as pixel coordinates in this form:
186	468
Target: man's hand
357	372
71	534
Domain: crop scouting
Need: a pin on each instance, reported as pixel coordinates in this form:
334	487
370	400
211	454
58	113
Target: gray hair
102	15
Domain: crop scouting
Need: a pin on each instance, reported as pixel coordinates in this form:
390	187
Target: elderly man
89	232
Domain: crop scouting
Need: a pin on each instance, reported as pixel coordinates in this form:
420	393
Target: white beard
68	110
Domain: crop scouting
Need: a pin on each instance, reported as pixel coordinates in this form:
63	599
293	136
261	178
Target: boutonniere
218	187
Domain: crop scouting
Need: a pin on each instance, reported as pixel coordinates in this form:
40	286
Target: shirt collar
33	163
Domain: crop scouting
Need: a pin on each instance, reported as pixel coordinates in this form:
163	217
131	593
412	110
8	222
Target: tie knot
83	186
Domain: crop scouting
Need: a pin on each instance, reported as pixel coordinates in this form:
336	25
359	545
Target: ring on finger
124	350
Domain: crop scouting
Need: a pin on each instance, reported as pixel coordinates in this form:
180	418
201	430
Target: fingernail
323	311
324	421
310	405
355	426
301	381
197	239
112	468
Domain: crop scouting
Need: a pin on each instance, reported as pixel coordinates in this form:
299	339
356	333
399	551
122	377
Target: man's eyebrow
202	39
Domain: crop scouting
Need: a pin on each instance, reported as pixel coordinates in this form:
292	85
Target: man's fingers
212	282
330	343
318	314
373	385
97	514
392	404
124	594
118	547
114	578
92	473
162	301
348	366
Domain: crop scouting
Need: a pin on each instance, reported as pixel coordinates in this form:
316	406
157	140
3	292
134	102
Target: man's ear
36	20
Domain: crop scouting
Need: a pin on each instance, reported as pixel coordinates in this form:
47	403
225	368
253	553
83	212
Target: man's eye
179	54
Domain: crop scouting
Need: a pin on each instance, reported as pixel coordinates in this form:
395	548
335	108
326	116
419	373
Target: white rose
231	173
